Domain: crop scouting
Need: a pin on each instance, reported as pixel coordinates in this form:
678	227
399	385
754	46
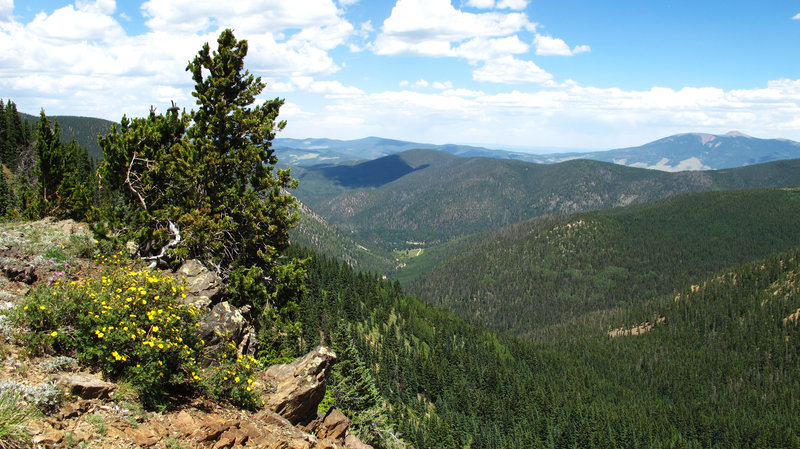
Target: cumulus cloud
481	49
796	16
429	27
80	58
510	70
571	115
6	9
88	22
551	46
501	4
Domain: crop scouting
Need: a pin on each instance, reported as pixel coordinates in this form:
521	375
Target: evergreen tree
203	184
6	195
49	166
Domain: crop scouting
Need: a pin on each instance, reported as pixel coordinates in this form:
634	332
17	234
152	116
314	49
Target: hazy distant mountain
310	152
690	151
696	151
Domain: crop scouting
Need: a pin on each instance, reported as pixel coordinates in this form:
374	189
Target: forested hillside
85	131
432	197
719	369
548	270
313	231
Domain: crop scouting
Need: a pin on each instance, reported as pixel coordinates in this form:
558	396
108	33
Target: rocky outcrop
296	389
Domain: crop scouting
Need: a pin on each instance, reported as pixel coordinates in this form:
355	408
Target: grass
98	422
13	419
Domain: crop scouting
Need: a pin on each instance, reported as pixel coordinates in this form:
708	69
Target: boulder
223	323
20	272
295	390
334	425
352	442
202	285
84	385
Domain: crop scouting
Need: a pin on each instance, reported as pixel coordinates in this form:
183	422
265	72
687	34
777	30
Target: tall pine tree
204	185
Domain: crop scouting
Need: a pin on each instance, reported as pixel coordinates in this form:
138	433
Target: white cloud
442	85
6	9
103	7
796	16
70	24
428	27
482	4
246	17
512	4
551	46
501	4
568	115
510	70
481	49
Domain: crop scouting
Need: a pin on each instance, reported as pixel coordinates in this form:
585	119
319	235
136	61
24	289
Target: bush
128	323
232	378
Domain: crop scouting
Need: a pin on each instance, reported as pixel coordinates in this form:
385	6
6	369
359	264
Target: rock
183	423
297	388
143	436
84	385
223	323
281	433
18	272
212	427
352	442
249	343
50	438
202	285
334	425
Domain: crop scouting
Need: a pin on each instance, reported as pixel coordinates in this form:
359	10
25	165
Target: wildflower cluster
128	323
233	378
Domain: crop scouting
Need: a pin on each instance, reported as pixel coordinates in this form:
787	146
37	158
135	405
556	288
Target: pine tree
203	184
6	195
49	166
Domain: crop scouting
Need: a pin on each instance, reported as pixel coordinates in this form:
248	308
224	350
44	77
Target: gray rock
202	285
296	389
16	271
223	322
84	385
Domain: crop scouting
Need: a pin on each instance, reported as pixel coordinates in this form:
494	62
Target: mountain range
689	151
423	198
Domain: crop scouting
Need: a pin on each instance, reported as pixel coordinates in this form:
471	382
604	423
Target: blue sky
500	73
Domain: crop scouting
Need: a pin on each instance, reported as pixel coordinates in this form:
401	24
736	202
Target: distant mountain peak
735	133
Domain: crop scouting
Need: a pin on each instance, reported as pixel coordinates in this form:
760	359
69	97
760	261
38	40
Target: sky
536	75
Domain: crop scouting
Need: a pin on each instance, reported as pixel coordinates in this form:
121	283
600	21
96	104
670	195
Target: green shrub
128	323
232	378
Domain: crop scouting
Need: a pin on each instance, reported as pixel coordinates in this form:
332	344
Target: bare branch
176	233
